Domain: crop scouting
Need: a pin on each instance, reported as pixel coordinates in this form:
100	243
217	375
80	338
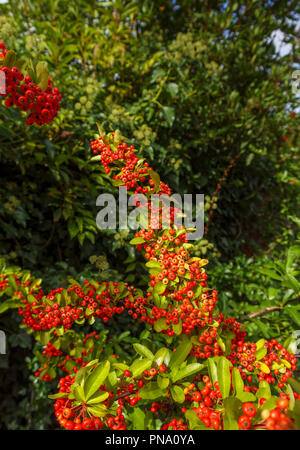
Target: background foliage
200	89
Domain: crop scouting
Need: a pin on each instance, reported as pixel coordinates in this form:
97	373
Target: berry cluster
22	92
177	302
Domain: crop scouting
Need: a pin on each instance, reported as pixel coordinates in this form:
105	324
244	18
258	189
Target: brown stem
262	312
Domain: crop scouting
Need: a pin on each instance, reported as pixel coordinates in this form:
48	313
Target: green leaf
246	397
177	394
264	390
293	314
194	421
237	381
224	378
154	264
150	391
10	58
97	410
58	395
187	371
79	393
260	344
263	367
159	288
98	399
213	372
261	353
155	178
160	325
137	240
169	113
180	354
295	384
163	382
172	89
232	407
96	379
138	419
271	274
143	351
44	337
161	355
42	75
138	366
72	228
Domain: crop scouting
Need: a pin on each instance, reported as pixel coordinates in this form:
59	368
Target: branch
262	312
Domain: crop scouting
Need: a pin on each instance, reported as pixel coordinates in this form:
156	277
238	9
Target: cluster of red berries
174	424
277	419
22	92
249	411
243	355
73	418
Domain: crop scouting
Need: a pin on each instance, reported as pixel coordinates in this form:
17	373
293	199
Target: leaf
194	421
79	393
58	395
264	390
177	394
96	379
163	382
271	274
260	344
172	88
154	264
263	367
98	399
291	397
232	408
42	75
180	354
213	372
138	419
246	397
293	313
187	371
10	58
295	384
97	410
224	378
161	355
8	304
138	366
159	288
160	325
143	351
137	240
237	381
44	337
261	353
155	178
177	328
72	228
169	113
150	391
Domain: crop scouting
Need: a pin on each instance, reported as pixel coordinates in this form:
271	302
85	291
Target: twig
262	312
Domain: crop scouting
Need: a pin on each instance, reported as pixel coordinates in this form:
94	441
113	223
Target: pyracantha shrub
41	100
198	373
